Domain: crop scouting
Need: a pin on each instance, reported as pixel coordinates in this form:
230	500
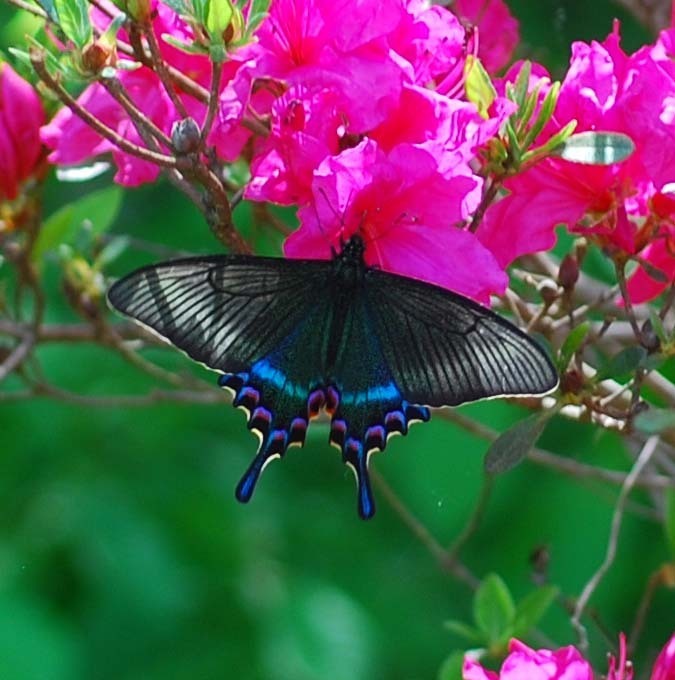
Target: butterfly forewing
443	349
224	311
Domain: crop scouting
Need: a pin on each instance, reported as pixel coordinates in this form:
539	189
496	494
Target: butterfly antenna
340	218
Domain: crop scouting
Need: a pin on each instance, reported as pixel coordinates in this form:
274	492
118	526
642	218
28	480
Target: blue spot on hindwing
380	393
269	374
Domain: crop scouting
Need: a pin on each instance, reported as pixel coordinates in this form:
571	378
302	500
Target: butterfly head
354	249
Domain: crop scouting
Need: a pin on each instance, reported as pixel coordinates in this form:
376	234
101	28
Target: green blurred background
123	554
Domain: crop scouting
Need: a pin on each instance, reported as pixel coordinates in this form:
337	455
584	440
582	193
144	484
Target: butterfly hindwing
443	349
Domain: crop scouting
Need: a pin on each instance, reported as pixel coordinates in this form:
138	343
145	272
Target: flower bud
186	135
96	57
648	337
568	274
21	115
572	382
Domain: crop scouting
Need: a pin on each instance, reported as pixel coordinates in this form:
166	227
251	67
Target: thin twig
116	90
186	84
216	77
37	59
447	562
17	356
620	270
475	519
155	396
565	464
643	459
159	66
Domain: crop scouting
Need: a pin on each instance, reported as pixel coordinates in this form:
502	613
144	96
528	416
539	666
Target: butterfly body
293	337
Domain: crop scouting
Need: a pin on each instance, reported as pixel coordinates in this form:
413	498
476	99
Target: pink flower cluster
369	130
629	207
21	115
366	130
524	663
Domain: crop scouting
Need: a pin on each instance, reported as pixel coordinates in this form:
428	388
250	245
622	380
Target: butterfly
291	337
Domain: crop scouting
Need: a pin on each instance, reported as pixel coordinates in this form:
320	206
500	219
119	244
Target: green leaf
596	148
657	325
493	608
531	608
451	669
98	209
522	84
49	7
669	525
193	48
200	10
110	252
572	343
464	630
54	231
479	88
260	7
178	6
21	56
254	21
621	365
545	113
257	13
655	420
74	20
512	445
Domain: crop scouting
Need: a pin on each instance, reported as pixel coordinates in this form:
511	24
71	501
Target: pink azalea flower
524	663
664	668
498	32
305	129
404	209
432	40
21	115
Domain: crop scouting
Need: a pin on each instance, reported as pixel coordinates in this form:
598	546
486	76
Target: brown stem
620	268
216	77
37	59
185	83
475	519
159	66
142	123
568	465
447	561
489	196
17	356
216	205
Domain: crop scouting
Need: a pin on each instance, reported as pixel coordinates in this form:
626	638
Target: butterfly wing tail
359	429
277	411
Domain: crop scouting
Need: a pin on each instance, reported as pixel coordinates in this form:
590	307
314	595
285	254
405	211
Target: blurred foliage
124	556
